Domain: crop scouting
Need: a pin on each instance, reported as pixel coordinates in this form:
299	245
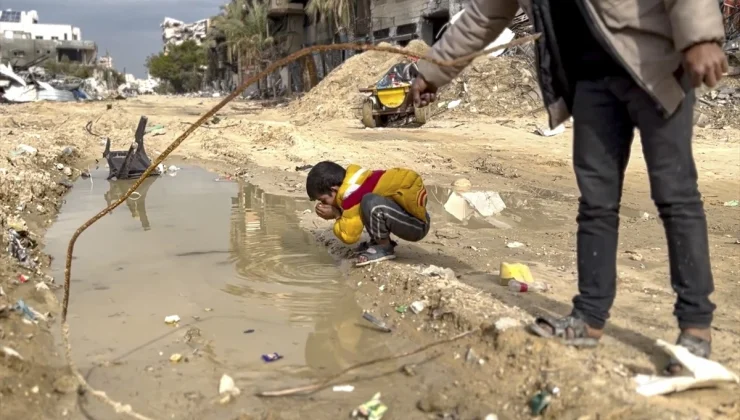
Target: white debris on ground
704	373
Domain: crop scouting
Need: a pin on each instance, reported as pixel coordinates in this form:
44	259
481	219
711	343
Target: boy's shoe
367	244
375	254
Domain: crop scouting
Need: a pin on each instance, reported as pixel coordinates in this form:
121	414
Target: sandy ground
533	175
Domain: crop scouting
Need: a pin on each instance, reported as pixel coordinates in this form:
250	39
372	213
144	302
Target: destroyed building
24	41
175	32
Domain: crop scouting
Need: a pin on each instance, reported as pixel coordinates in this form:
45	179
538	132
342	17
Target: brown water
227	259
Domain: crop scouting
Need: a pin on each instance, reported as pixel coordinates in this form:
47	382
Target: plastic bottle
520	287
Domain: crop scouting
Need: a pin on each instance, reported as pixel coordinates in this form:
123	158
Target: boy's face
329	199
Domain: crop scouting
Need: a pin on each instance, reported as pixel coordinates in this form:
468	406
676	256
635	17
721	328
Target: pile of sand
504	86
337	95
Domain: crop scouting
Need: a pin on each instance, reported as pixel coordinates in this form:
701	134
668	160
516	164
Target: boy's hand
327	212
706	63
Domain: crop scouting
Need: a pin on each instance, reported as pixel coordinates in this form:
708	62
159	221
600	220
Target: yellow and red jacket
403	186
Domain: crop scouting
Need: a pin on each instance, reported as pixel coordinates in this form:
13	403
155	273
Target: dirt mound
337	95
503	86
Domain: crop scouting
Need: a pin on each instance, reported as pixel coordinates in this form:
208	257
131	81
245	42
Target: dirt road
534	177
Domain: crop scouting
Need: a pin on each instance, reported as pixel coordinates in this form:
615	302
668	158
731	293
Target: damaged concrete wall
403	20
22	52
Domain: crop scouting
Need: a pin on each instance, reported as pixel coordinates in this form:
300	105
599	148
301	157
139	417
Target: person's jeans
605	114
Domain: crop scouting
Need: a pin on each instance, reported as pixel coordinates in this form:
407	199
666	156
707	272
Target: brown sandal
570	330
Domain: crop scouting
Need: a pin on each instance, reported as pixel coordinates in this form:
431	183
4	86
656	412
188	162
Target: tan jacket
646	35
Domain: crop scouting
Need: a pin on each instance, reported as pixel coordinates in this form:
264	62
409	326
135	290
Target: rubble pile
35	84
493	86
337	95
718	108
175	32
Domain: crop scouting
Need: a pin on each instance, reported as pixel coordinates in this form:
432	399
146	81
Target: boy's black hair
322	177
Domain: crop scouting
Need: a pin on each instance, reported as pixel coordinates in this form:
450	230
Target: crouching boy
383	202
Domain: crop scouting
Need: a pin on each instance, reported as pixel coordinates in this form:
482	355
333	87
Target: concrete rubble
35	85
175	32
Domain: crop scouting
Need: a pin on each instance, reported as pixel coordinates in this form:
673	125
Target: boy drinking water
383	202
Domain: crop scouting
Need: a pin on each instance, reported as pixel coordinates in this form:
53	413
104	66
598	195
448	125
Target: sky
128	29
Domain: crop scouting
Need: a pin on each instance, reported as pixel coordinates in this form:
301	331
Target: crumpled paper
704	373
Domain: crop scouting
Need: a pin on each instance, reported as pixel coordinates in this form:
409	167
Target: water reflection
279	262
275	258
136	203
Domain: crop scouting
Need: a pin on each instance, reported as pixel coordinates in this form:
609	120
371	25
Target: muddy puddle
232	263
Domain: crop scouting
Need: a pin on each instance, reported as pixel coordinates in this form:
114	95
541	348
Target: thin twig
326	382
212	127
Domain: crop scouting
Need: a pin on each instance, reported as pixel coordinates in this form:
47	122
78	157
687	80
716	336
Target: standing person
616	65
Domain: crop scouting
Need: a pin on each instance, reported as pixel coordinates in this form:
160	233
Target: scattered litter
539	403
418	306
158	132
26	310
554	390
173	168
40	286
10	353
24	149
18	248
521	287
458	207
2	292
176	358
249	331
382	287
487	203
733	203
343	388
17	223
434	271
504	324
35	389
705	373
516	271
371	410
634	255
546	132
154	127
208	309
491	417
227	389
401	309
375	321
22	278
514	244
272	357
454	104
472	357
171	319
60	166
